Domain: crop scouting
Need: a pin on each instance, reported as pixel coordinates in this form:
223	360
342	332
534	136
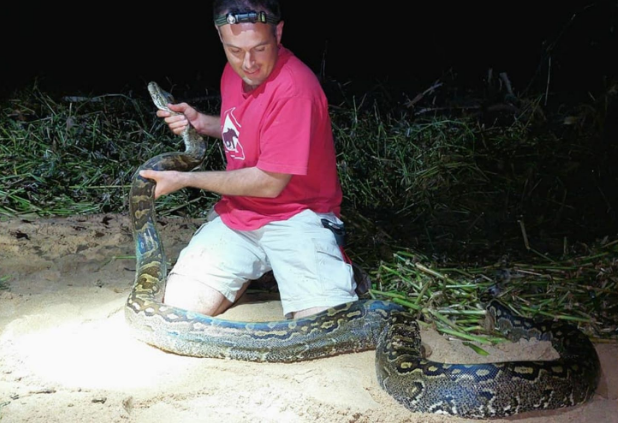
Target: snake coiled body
473	391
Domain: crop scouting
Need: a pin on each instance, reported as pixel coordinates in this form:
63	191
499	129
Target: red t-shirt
281	126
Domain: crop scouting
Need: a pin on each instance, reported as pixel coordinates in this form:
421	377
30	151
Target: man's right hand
178	123
166	181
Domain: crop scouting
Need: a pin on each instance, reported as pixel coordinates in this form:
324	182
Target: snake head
160	97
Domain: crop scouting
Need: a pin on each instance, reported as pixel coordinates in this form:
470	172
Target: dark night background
404	46
389	46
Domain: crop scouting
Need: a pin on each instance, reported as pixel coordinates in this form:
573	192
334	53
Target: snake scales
472	391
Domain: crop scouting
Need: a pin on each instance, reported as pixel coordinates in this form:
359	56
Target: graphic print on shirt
231	135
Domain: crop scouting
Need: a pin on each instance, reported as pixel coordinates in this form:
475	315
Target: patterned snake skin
472	391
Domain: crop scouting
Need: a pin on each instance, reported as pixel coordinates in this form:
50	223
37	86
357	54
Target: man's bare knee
194	296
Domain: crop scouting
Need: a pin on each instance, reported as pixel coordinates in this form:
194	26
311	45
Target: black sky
108	48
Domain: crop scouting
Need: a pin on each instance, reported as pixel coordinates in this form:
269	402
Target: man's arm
240	182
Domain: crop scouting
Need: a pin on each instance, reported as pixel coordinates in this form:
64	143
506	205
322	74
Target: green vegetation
445	202
59	158
3	282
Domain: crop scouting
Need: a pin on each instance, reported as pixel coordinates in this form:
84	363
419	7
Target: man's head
250	31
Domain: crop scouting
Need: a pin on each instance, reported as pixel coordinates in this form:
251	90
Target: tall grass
74	157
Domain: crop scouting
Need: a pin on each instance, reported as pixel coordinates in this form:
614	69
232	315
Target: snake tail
490	389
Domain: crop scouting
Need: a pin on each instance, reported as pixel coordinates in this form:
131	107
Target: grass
443	204
64	158
4	282
581	289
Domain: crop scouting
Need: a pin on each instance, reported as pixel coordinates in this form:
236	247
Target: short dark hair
271	7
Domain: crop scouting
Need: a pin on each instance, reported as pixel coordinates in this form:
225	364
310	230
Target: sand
66	354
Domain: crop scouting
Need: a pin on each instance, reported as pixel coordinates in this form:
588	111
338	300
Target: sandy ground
66	354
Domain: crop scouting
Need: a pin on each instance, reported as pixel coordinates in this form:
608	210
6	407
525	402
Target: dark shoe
363	282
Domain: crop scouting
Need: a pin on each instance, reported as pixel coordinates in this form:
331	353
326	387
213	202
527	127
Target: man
280	182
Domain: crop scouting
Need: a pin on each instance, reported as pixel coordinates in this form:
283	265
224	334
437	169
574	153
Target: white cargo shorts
305	259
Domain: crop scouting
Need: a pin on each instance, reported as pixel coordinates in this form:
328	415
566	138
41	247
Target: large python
472	391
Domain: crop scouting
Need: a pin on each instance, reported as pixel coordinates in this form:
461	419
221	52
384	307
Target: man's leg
309	267
309	311
213	271
196	296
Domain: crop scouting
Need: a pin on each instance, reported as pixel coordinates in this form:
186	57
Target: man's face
251	49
